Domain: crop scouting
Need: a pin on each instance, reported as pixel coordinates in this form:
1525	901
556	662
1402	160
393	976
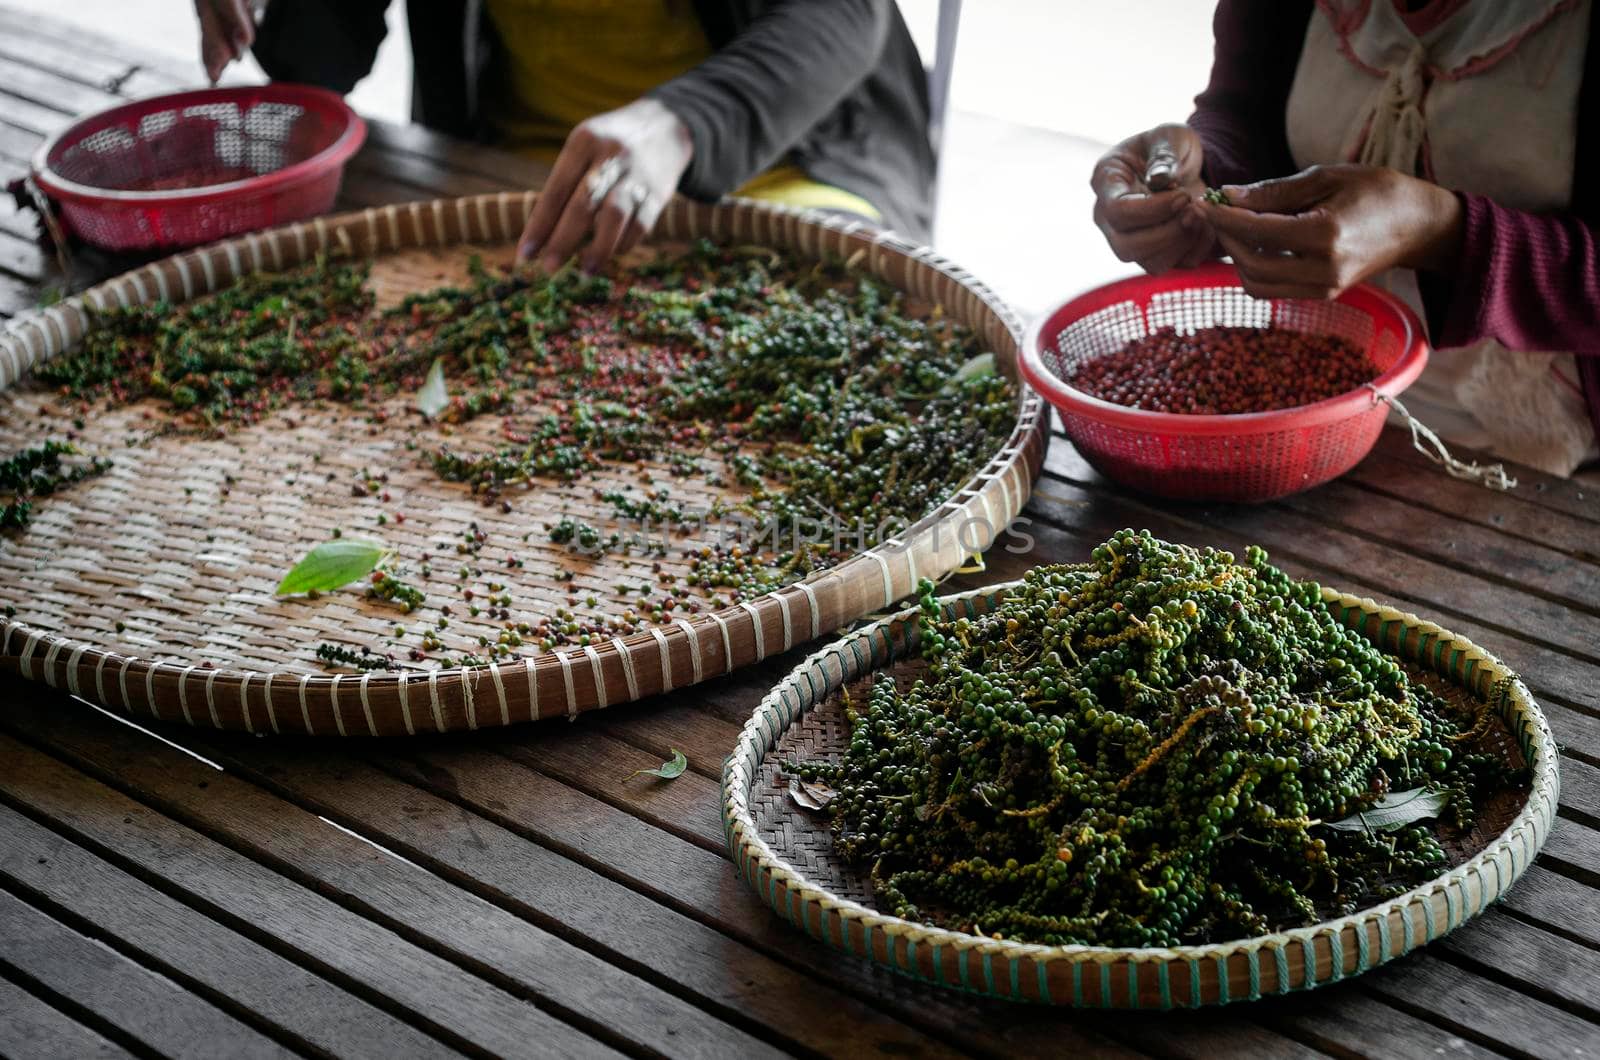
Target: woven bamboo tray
786	854
149	590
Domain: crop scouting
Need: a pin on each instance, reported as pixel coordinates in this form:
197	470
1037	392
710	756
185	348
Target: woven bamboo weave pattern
786	853
148	590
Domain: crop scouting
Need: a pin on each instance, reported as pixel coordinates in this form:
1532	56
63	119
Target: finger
642	223
576	221
571	165
1133	211
1204	249
239	23
1297	291
1284	195
1163	261
1161	166
609	223
632	235
1271	267
1310	233
1147	243
212	57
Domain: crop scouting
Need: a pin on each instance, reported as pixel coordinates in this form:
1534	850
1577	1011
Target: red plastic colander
1247	457
192	167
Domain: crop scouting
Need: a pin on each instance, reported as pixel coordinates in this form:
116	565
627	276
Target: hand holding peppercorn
1324	230
1145	191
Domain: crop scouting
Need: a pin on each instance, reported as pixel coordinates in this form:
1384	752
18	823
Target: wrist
1440	242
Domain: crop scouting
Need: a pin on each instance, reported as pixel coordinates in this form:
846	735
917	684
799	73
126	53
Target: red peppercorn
1225	370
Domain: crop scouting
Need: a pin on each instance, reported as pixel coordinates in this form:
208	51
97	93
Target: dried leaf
1394	811
434	396
809	796
332	564
667	770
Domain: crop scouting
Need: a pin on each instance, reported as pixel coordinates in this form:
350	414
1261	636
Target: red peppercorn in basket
1186	386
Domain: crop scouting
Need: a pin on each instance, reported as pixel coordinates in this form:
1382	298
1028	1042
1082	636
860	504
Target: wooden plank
1346	1021
25	114
17	145
1530	960
29	1027
24	44
1534	487
448	153
247	979
394	973
1482	1011
536	882
51	90
17	296
21	258
1573	849
1467	502
1524	565
142	1004
97	46
1557	903
558	975
426	175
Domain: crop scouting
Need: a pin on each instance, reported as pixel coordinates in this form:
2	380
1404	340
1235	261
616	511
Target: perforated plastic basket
192	167
1248	457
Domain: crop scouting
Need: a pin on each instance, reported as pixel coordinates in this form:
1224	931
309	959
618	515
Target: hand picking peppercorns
1225	370
1148	749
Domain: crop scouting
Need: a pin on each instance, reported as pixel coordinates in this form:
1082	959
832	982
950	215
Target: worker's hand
1324	230
227	29
1145	190
613	177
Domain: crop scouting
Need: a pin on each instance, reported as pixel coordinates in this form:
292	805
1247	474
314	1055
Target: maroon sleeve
1240	115
1530	281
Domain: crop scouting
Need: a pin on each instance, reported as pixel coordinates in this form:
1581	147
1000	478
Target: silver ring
635	194
602	179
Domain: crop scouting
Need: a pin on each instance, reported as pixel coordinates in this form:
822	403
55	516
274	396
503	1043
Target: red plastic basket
1249	457
192	167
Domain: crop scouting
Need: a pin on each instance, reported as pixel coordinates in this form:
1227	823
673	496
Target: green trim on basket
859	654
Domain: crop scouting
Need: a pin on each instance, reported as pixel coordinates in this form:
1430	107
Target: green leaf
433	396
976	368
332	564
1394	811
666	770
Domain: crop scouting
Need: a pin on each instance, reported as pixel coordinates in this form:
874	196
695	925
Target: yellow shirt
571	59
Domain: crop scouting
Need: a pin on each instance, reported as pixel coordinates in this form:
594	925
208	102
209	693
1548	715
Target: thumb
1285	195
1169	161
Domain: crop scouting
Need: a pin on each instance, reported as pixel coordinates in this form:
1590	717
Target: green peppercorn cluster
38	472
1147	750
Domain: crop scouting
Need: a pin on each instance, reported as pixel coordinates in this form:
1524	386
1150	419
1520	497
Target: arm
758	96
1529	281
1240	115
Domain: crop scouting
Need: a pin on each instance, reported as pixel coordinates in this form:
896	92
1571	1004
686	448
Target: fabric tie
1394	122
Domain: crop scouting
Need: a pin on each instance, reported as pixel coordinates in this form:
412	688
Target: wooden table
510	892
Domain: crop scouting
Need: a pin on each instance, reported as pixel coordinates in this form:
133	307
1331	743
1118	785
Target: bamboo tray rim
884	642
571	679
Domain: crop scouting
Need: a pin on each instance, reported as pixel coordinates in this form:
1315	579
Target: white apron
1483	100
